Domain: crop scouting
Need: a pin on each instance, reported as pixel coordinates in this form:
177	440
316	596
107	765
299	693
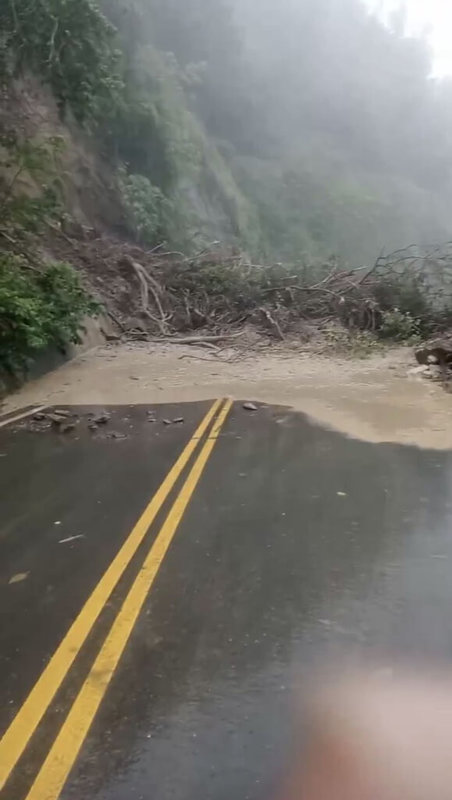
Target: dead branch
199	339
273	323
148	284
198	358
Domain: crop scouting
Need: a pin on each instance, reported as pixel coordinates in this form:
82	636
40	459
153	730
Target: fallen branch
198	358
148	284
273	323
198	339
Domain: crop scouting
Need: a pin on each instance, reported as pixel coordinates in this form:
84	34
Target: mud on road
372	399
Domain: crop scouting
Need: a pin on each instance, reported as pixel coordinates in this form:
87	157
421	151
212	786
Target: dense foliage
41	303
325	131
70	44
38	308
329	121
146	207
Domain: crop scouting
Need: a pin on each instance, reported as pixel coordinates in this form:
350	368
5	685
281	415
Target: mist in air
329	120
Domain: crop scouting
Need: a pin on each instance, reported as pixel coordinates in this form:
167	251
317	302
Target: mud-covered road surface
172	574
374	399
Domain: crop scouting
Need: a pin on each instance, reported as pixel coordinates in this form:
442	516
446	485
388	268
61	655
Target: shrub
400	326
38	309
146	206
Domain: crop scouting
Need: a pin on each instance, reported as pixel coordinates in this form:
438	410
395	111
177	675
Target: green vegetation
146	207
401	326
70	44
41	303
38	308
276	127
23	211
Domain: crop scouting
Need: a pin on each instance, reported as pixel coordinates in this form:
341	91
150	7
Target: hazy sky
431	16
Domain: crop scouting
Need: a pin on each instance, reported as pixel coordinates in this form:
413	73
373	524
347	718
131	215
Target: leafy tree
146	206
38	309
70	44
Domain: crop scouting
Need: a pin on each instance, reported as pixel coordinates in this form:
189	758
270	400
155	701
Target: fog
431	19
328	115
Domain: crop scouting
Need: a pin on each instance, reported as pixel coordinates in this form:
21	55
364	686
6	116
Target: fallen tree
158	293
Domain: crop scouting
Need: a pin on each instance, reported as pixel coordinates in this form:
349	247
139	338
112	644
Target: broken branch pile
161	293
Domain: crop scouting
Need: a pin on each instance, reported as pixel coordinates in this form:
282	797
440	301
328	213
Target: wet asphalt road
299	548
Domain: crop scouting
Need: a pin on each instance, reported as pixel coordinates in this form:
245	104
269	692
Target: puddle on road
372	399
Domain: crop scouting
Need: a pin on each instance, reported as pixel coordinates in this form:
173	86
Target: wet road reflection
302	548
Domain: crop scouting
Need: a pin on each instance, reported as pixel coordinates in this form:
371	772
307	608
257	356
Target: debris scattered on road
39	416
341	494
57	419
419	370
60	418
21	576
178	420
101	419
66	427
167	422
116	435
134	377
249	407
71	538
57	522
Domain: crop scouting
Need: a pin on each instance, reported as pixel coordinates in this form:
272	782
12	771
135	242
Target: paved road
161	654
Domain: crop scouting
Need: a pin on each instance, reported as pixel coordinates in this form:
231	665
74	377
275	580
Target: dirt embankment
373	399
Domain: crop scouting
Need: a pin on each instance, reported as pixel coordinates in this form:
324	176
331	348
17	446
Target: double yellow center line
63	753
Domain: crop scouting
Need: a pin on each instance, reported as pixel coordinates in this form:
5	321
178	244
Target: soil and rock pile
435	360
160	294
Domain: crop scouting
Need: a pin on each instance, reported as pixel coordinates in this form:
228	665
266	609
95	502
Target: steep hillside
274	128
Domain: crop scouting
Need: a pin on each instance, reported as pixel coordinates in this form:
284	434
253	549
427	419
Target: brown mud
374	399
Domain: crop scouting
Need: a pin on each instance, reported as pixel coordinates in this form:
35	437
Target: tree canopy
304	126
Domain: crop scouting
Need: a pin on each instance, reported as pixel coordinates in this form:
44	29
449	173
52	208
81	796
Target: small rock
116	435
57	419
134	378
421	370
249	407
341	494
102	418
67	427
439	349
39	416
62	412
167	422
92	426
434	372
21	576
178	420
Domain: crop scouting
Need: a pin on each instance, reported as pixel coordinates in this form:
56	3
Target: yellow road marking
63	753
17	736
22	416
